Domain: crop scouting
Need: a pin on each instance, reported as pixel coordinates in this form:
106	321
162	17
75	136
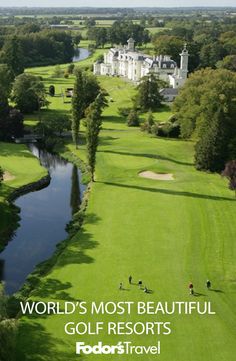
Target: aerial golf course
165	232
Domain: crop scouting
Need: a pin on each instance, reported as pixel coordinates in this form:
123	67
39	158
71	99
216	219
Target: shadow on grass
36	344
113	119
147	155
170	192
106	140
54	289
197	294
75	252
217	291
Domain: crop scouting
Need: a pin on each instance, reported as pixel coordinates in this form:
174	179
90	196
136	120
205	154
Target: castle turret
131	44
183	71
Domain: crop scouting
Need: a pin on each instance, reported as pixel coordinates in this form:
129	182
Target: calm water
44	215
81	54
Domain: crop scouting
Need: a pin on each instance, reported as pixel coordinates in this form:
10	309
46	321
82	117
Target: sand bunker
7	176
156	176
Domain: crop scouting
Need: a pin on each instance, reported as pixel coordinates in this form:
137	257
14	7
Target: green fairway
166	233
22	168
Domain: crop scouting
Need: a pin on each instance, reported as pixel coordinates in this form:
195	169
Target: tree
8	330
75	198
28	93
168	45
211	148
99	35
230	173
133	119
58	72
203	89
210	54
148	96
13	55
86	89
70	68
52	90
54	126
149	122
229	62
1	175
94	123
121	31
5	85
11	124
205	110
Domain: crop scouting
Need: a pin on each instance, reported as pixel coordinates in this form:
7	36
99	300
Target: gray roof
169	91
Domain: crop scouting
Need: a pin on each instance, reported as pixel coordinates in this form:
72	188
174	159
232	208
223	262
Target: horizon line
118	7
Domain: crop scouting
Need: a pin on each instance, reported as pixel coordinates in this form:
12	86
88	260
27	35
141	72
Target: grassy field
22	168
166	233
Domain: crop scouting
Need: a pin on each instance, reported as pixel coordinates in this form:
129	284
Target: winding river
44	215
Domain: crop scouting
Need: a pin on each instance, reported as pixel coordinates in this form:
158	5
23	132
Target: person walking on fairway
121	286
190	286
140	284
208	284
130	280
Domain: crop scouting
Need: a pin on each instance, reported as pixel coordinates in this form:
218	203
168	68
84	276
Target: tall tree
86	89
13	55
94	123
28	93
5	85
75	198
148	93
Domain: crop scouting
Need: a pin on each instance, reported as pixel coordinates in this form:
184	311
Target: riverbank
26	175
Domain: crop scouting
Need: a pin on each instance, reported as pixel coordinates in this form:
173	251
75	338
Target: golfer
130	280
140	284
190	286
208	284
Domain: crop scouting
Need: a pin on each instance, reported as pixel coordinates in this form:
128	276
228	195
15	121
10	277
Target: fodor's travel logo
121	348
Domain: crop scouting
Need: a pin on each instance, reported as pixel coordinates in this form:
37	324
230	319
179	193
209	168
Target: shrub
133	119
149	122
52	90
58	72
70	68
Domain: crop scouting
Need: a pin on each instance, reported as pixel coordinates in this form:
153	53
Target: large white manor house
127	62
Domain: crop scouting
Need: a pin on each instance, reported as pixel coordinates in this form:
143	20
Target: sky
117	3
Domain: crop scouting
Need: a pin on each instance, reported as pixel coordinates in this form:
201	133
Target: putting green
165	233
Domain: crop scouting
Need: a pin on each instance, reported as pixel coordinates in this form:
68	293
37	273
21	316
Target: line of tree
11	119
205	109
213	45
86	89
44	47
119	33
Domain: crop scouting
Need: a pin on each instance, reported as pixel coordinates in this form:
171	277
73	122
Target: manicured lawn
23	168
166	233
20	163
